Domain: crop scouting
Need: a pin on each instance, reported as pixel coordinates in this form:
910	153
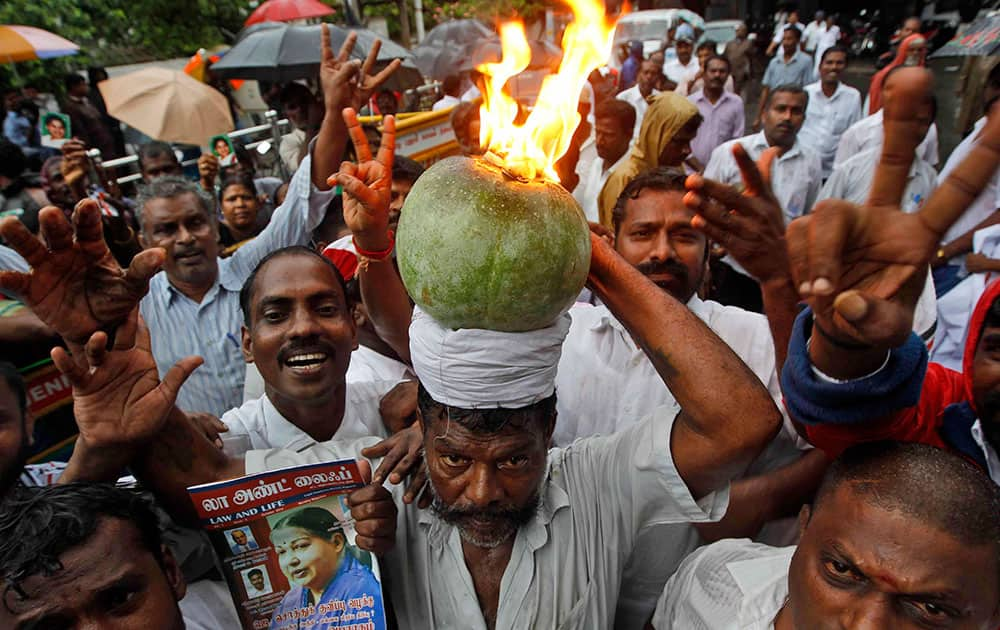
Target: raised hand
118	398
374	514
348	82
749	224
75	285
861	267
208	169
367	184
403	456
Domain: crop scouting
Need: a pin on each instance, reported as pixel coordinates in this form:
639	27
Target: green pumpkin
479	249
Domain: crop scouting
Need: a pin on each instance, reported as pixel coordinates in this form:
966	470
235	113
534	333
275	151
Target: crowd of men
776	404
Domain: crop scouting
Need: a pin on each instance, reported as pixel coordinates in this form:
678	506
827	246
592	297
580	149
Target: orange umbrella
167	105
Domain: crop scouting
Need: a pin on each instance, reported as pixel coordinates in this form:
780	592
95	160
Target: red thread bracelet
382	255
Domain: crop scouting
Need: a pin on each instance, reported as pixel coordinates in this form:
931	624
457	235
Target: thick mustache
654	268
307	346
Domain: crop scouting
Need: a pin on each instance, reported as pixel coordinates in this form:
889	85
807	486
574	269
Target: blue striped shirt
180	327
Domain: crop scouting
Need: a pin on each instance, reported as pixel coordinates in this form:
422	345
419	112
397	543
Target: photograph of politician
324	571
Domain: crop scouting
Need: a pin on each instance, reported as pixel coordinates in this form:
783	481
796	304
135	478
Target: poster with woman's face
55	129
222	148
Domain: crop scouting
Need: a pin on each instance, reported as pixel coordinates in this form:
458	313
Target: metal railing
273	126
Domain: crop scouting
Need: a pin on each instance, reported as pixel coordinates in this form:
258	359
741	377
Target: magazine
285	539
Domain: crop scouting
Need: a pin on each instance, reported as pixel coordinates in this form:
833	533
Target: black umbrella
457	32
278	52
448	47
982	38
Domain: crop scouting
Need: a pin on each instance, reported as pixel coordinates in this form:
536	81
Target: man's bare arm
716	436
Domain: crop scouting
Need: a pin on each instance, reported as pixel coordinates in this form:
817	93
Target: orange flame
532	149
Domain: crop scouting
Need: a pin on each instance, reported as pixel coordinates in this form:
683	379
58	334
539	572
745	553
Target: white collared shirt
796	175
679	72
733	584
812	34
992	459
827	118
265	427
605	384
592	180
566	564
445	102
852	180
869	132
634	97
986	203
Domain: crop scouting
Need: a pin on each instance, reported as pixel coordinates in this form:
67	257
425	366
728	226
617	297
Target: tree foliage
112	32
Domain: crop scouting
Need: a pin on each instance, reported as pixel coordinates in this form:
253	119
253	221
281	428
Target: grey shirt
797	71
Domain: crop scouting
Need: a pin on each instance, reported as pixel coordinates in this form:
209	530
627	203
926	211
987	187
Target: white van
649	27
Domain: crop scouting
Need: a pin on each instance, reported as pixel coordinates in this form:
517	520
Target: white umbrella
168	105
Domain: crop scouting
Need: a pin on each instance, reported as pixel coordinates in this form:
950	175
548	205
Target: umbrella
24	43
286	10
457	32
280	53
982	38
167	105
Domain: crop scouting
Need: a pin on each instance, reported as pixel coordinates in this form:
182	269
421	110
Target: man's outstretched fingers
387	145
358	138
14	281
125	333
372	57
797	242
964	184
357	189
386	72
144	266
828	233
96	349
54	229
65	364
724	194
906	91
176	376
23	242
347	47
873	320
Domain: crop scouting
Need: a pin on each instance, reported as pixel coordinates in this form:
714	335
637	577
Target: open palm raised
75	285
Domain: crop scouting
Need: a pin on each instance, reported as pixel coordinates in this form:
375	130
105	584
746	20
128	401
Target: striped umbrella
24	43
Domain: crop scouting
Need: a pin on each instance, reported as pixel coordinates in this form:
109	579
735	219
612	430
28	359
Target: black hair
233	179
255	572
788	88
295	93
15	382
39	524
405	169
488	420
249	288
12	160
664	178
621	111
836	49
154	148
935	486
168	187
315	520
708	43
451	84
798	33
723	59
72	80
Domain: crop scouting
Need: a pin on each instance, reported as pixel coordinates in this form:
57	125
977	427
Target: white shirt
812	33
605	384
779	32
291	147
796	176
869	132
827	119
445	102
265	427
566	563
729	585
852	180
986	203
992	459
633	97
207	605
679	72
592	181
471	94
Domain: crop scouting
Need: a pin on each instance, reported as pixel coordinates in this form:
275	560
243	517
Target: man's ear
141	236
247	344
172	571
29	426
360	314
804	515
